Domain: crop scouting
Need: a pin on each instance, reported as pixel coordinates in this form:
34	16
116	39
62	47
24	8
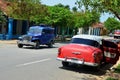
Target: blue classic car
36	36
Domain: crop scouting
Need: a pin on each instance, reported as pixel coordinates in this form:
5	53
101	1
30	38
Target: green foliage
63	6
111	24
2	18
59	16
111	6
31	10
86	19
74	9
117	70
110	78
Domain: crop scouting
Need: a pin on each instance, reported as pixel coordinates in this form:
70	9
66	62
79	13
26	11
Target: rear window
85	41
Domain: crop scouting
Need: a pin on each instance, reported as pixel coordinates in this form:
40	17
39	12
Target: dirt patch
8	41
91	73
110	72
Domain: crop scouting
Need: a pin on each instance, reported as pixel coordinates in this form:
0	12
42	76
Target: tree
2	17
59	16
112	24
86	19
63	6
111	6
74	9
31	10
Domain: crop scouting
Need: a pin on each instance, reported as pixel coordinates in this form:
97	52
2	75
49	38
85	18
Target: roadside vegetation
62	16
117	70
2	17
103	6
114	74
112	24
109	78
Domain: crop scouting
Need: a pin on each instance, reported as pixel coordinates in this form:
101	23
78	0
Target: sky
54	2
71	3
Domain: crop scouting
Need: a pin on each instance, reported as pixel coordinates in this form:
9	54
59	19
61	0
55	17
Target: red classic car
87	50
111	48
117	34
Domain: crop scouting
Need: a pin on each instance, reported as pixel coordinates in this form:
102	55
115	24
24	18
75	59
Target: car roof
90	37
42	27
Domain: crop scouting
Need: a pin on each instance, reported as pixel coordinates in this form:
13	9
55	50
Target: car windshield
35	30
85	41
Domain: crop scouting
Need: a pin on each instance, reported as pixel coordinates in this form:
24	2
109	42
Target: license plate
77	61
110	55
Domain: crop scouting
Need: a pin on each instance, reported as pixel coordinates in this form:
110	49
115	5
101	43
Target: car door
110	50
46	36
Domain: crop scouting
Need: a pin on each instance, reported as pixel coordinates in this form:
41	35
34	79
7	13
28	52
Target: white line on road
29	63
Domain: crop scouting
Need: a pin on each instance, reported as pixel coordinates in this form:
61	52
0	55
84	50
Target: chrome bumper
26	43
78	62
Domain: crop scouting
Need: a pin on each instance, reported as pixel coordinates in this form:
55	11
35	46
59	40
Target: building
95	29
13	28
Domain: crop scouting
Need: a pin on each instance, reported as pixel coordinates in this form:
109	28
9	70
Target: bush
117	70
109	78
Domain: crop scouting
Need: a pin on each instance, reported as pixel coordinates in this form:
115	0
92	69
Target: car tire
65	64
97	68
36	44
20	45
50	45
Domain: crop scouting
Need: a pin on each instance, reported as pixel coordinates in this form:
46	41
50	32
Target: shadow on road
88	69
57	45
41	47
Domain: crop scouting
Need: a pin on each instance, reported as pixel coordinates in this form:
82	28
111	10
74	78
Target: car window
110	43
85	41
46	31
35	30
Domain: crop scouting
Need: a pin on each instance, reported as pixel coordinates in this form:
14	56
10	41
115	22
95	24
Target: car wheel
36	44
50	45
97	68
65	64
20	45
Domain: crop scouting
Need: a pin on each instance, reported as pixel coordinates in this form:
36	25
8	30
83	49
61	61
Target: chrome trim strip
26	43
76	53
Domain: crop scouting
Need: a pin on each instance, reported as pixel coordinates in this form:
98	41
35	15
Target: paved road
41	64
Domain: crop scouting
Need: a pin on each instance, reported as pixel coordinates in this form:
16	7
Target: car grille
28	38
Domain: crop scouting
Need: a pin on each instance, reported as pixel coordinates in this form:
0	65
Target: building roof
98	25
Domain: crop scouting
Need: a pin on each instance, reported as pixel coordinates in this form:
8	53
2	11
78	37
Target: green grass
117	70
109	78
